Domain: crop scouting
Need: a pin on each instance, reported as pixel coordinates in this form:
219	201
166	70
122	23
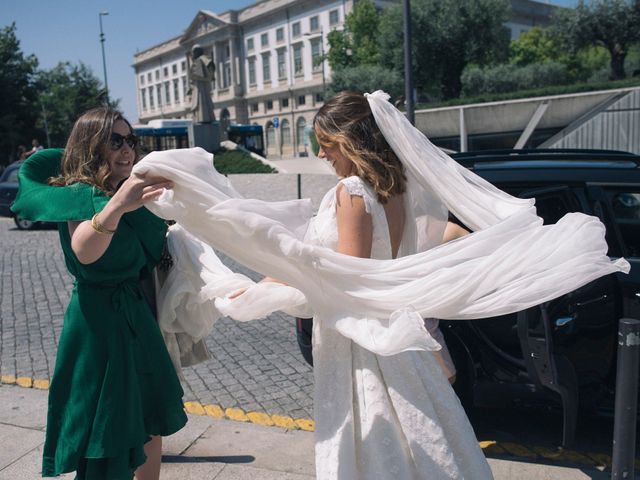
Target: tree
358	43
447	36
366	78
18	105
66	91
534	46
613	24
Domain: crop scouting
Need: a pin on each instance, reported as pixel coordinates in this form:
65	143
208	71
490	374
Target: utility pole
104	62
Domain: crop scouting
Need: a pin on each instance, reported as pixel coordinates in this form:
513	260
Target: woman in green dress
114	391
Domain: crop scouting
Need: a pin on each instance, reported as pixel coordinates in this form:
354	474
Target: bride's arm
355	226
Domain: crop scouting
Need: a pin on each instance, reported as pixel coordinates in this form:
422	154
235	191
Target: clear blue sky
60	30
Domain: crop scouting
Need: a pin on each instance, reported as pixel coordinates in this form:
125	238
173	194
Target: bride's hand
237	293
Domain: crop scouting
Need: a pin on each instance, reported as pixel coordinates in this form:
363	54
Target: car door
582	323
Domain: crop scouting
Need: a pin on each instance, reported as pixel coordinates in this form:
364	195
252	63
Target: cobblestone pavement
256	366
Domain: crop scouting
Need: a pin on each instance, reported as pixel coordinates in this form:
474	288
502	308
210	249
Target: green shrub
539	92
238	161
510	78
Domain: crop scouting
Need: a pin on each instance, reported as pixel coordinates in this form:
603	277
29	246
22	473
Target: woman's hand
138	190
240	291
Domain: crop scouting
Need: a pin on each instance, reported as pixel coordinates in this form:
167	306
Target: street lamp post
408	81
104	62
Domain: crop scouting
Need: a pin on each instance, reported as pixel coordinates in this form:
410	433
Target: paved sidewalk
212	449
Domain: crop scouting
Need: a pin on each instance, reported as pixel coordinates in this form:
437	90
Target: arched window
302	135
271	135
286	132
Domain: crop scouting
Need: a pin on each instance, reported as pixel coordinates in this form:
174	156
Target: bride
369	266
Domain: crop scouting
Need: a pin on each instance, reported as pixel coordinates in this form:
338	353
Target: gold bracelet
98	227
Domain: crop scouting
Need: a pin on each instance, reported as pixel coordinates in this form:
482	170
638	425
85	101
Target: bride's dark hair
346	122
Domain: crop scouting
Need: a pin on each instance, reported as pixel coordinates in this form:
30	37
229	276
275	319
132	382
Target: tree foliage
358	43
534	46
447	36
366	78
612	24
66	91
18	105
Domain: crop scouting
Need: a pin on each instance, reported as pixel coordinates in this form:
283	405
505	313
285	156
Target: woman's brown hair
85	155
346	122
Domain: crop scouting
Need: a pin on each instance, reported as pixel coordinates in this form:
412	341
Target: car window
553	203
625	204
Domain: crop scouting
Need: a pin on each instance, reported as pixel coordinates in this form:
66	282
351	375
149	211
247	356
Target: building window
250	45
174	68
271	135
183	66
280	34
184	88
165	71
316	55
255	107
176	91
264	39
282	71
167	93
301	133
302	99
266	68
269	105
159	95
286	132
149	77
141	79
143	97
319	97
157	74
151	99
226	74
297	60
284	103
252	71
295	29
314	23
334	17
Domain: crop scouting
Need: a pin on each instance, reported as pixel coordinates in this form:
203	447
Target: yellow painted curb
304	424
236	414
260	418
284	422
517	450
602	459
25	382
490	447
41	384
8	379
214	411
194	407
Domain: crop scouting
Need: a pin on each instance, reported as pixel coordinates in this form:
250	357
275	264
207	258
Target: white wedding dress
383	417
384	408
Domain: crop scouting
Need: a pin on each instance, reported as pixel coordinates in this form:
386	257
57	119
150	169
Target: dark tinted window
625	204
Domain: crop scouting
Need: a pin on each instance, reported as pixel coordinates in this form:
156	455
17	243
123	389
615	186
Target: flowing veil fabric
509	263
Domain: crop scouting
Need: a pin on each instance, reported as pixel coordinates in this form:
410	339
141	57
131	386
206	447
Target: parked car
8	192
562	352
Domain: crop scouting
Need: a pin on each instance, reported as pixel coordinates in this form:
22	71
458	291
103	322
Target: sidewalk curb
490	447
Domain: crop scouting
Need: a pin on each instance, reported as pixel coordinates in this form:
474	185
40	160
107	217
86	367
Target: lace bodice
323	229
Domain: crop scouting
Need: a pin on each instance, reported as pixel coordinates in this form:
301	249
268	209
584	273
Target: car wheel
23	223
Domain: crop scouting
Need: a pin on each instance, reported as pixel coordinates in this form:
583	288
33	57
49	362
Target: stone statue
201	74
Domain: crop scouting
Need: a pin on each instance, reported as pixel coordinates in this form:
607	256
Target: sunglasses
117	141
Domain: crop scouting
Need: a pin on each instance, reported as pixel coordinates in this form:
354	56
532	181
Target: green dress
113	383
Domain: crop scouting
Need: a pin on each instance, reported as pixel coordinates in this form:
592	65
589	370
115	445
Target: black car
8	192
562	352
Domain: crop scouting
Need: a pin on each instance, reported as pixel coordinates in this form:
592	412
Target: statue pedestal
205	135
